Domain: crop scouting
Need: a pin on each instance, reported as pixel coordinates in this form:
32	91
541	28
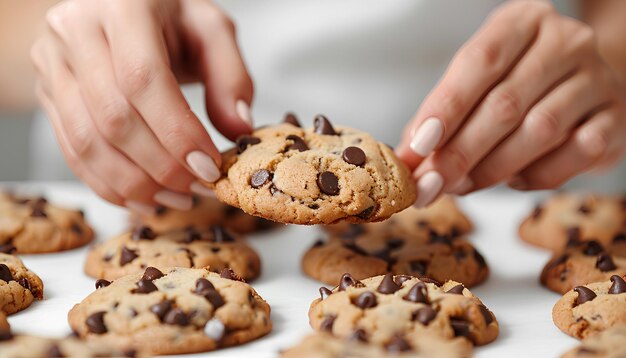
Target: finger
228	85
116	120
141	66
128	181
600	136
485	59
547	122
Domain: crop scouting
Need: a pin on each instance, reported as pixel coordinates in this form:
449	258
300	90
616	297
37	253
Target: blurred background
306	57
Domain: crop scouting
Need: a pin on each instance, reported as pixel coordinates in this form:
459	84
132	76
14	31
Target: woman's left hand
527	100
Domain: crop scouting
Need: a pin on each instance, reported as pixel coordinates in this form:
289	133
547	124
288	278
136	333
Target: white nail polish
174	200
427	137
140	208
198	188
204	166
428	188
243	111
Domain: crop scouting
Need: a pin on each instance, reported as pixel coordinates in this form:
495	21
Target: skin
532	99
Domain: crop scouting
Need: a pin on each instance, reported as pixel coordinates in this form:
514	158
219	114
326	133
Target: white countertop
512	292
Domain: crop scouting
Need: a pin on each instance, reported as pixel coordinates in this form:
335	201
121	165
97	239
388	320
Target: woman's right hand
108	74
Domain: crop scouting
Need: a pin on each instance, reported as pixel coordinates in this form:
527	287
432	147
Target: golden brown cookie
132	252
19	287
606	344
319	175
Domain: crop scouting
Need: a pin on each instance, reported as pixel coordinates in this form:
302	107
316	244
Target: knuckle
62	17
218	19
504	105
114	120
131	187
594	142
488	55
543	125
137	76
82	141
458	159
450	102
168	173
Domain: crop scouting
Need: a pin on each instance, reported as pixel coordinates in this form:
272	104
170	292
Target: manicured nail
243	111
463	187
517	183
428	188
174	200
427	137
198	188
141	208
203	166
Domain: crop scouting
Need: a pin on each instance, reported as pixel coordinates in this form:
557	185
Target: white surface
512	292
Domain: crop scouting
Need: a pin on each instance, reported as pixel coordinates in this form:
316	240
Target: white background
512	292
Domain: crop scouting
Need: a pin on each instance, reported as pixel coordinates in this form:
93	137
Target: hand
108	74
526	100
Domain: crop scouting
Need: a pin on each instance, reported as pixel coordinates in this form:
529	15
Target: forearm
20	21
607	19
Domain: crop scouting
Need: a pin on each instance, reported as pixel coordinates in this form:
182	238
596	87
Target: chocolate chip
401	279
584	209
243	141
221	235
259	178
130	353
619	238
229	274
591	248
573	236
356	249
143	233
5	273
7	249
354	156
203	284
459	254
127	256
347	280
418	293
298	143
176	316
353	231
292	119
365	300
205	288
605	263
25	283
618	286
431	280
486	314
328	183
95	323
537	212
394	243
387	285
556	262
358	335
318	243
480	259
100	283
324	292
460	327
160	210
367	213
323	126
584	295
424	315
161	308
436	238
152	273
54	352
327	323
418	266
145	287
397	344
456	290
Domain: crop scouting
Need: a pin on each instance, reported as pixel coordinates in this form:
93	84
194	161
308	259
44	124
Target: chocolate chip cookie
323	345
205	213
571	218
132	252
581	263
24	346
606	344
172	311
384	307
319	175
19	287
442	218
592	308
32	225
377	251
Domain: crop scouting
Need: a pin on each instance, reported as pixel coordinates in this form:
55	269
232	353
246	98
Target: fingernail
428	187
174	200
517	183
140	208
198	188
427	137
463	187
243	111
203	166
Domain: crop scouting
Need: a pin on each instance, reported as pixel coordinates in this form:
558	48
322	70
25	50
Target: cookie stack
588	238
